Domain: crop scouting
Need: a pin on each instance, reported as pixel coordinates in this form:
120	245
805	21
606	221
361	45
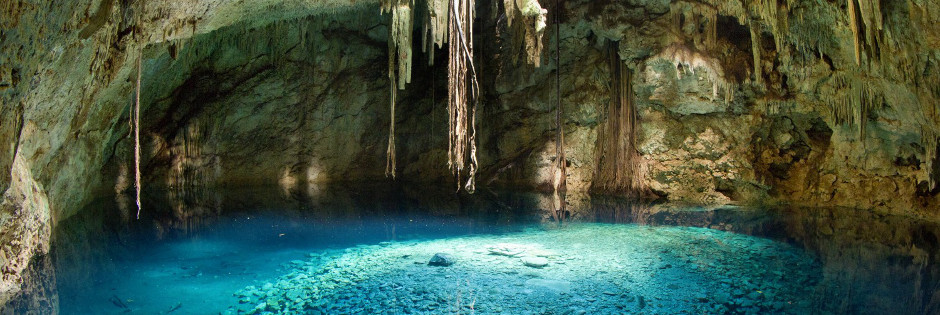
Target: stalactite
435	27
711	28
855	97
400	36
620	168
853	23
463	93
776	16
931	140
755	51
527	21
681	56
399	63
704	21
867	24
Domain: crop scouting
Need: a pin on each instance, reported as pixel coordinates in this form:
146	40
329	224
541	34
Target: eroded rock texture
807	102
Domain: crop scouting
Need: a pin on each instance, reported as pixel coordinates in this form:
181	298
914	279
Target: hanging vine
399	64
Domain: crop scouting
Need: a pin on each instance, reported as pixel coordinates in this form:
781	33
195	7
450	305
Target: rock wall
775	102
716	129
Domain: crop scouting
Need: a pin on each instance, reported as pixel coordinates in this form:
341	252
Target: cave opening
469	156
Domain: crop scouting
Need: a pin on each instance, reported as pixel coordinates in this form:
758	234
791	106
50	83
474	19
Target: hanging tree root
135	122
461	113
561	168
620	168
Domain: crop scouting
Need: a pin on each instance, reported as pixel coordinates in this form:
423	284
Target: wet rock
535	262
509	250
442	260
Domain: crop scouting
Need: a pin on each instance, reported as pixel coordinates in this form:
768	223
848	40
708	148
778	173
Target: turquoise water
366	252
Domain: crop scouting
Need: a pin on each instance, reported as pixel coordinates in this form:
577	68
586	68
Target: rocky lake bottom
387	253
576	269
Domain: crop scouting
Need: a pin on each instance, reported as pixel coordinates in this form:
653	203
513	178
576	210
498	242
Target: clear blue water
366	252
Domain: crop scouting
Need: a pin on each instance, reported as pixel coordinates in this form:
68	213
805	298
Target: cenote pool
254	251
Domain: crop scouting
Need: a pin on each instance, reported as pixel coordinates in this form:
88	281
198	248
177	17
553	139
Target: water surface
366	251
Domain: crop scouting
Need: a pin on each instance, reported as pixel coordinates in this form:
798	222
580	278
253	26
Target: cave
470	157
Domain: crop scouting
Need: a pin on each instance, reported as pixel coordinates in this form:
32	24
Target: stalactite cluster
527	21
776	15
463	85
620	168
702	20
692	52
865	19
931	141
400	43
856	96
435	27
681	55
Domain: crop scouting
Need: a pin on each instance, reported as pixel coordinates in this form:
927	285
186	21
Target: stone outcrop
776	102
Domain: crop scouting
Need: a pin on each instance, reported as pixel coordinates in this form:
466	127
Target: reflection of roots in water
192	194
619	210
554	208
860	248
193	207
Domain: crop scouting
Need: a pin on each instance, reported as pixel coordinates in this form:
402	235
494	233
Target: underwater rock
442	260
509	250
535	262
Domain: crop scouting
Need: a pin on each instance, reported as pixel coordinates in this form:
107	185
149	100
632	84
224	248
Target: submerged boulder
535	262
505	249
442	260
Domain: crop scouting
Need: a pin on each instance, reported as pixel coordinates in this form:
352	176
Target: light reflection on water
195	253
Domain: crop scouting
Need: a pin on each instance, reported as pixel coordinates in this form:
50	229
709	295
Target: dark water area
365	250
